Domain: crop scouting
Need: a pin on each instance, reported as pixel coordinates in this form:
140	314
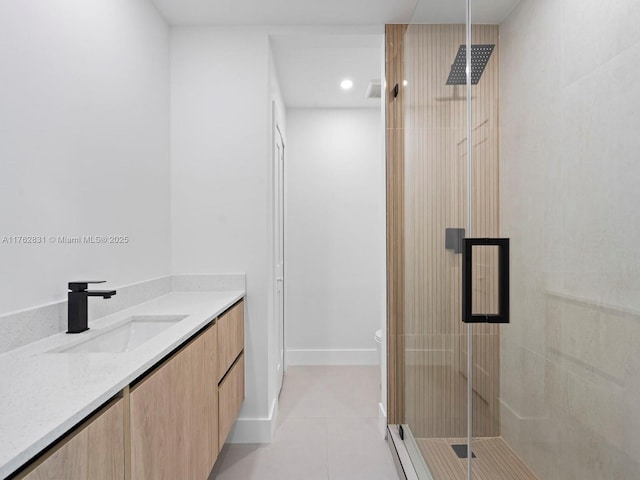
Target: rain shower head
479	57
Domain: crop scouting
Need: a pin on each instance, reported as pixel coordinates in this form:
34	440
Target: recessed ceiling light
346	84
405	83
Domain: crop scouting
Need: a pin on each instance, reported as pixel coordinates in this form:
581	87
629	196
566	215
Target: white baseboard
254	430
364	356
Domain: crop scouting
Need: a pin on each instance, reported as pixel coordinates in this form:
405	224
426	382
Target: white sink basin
127	336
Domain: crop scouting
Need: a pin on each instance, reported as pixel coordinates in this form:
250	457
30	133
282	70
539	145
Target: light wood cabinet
93	451
230	397
230	337
174	424
169	425
230	369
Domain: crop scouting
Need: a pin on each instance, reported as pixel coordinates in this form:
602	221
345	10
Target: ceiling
329	12
311	59
311	67
454	11
286	12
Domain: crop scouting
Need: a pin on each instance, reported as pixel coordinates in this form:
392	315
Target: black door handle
503	283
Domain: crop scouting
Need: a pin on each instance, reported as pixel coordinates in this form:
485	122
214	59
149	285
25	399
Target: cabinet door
174	424
230	337
94	451
230	397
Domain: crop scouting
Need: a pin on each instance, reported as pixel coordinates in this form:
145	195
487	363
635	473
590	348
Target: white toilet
378	339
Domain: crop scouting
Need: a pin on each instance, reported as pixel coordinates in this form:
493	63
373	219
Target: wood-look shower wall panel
395	150
435	198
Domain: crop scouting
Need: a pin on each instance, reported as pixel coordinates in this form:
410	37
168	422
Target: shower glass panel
569	383
437	177
494	457
543	152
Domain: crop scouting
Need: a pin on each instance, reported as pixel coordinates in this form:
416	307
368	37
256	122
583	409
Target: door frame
278	138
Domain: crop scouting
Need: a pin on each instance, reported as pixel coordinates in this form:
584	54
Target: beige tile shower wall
570	360
435	199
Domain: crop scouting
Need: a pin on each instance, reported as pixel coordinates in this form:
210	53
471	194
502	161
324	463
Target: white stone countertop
43	395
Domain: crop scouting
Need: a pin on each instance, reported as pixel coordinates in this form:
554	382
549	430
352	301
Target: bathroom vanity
163	409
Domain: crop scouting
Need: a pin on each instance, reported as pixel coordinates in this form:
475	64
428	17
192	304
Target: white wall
84	144
95	99
382	413
220	174
335	230
277	116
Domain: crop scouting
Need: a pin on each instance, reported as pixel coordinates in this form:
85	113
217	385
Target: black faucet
77	312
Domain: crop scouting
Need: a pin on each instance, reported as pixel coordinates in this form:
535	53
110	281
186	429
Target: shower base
494	460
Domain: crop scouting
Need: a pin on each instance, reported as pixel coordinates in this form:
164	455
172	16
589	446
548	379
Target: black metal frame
503	283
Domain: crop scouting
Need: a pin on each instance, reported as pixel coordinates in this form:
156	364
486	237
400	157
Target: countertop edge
41	444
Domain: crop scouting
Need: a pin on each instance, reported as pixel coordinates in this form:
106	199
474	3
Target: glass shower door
451	178
437	216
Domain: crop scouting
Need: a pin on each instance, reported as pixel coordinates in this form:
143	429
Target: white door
278	202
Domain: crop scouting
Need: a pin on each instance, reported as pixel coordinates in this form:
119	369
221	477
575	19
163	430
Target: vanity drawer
230	397
230	337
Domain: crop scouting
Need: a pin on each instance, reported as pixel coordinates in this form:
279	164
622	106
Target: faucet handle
82	286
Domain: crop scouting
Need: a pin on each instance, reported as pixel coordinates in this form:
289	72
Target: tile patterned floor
327	430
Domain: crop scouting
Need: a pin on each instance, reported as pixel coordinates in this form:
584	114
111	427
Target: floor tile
326	429
323	392
357	451
299	450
